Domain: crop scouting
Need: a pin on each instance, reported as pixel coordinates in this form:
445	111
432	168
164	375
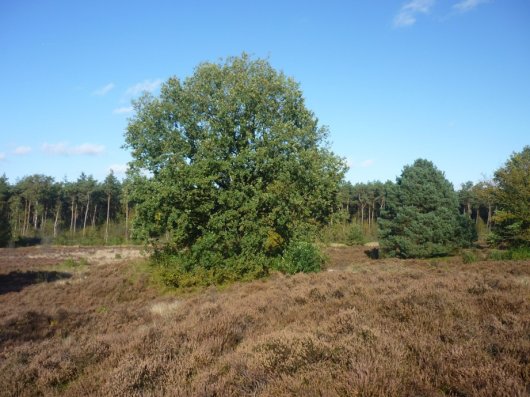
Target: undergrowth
179	270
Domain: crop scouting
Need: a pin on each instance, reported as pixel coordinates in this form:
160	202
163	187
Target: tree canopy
512	219
238	166
421	216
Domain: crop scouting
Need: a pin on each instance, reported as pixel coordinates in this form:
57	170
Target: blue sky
446	80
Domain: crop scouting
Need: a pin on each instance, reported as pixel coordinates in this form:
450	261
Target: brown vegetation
364	327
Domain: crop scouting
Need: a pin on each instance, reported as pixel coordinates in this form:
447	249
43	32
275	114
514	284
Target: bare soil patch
369	327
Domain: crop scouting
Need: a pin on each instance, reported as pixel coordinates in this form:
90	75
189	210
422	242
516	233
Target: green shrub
72	263
522	253
355	235
182	271
301	256
469	257
498	255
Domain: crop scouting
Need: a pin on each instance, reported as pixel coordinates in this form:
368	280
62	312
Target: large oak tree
237	166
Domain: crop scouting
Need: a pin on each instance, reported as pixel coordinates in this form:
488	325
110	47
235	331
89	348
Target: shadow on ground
16	281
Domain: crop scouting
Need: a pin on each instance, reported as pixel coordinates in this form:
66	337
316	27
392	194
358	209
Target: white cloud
367	163
21	150
409	11
119	169
2	156
146	85
65	149
468	5
104	90
123	110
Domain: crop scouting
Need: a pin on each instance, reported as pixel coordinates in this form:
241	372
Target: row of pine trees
39	208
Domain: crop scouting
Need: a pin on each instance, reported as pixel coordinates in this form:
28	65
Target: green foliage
72	263
421	217
343	232
355	234
512	219
178	270
521	253
237	168
5	226
301	256
469	257
93	236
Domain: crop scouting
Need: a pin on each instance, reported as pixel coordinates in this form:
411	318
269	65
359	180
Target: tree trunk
94	216
75	218
126	221
362	214
35	216
44	219
35	219
17	223
488	222
29	217
86	213
72	217
25	217
108	215
56	220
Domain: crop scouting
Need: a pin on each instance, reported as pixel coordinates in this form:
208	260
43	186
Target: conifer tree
421	216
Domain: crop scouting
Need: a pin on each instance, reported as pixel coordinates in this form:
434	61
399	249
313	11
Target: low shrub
186	269
72	263
347	233
355	235
301	256
181	271
469	257
522	253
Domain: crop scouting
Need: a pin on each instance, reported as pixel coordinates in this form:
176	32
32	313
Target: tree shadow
372	253
16	281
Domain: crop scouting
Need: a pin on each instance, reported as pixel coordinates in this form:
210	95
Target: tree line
362	202
38	208
495	210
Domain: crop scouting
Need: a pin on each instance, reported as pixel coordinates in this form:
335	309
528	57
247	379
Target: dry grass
368	328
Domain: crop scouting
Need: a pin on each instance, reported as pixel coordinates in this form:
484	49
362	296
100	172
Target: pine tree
421	216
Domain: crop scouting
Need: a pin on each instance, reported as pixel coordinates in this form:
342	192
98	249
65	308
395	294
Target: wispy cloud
119	169
123	110
146	85
21	150
65	149
359	164
2	156
468	5
409	11
367	163
104	90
